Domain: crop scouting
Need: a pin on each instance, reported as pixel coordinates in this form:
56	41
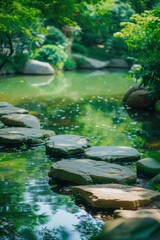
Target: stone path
86	171
116	196
113	153
149	166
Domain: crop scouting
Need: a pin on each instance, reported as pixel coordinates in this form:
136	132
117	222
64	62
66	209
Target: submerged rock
143	213
131	229
113	153
21	120
37	67
86	171
18	136
149	166
66	145
116	196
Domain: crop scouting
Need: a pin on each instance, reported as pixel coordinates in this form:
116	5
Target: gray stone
5	104
86	171
155	182
90	63
1	125
130	91
116	196
38	67
149	166
66	145
140	99
143	213
29	136
130	229
113	153
118	63
21	120
6	109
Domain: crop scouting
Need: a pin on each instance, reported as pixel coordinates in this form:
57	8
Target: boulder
116	196
149	166
143	213
113	153
1	125
21	120
37	67
66	145
139	98
155	182
130	229
89	63
118	63
6	109
29	136
86	171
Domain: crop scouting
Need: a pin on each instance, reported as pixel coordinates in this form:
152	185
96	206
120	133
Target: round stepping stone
116	196
21	120
149	166
112	153
6	109
16	136
143	213
87	171
66	145
5	104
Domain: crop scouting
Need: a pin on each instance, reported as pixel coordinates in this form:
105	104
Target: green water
84	103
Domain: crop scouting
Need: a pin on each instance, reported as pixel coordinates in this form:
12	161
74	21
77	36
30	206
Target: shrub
55	36
51	54
70	64
78	48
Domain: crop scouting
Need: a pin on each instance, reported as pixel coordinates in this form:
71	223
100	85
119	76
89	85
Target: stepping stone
1	125
155	182
130	229
21	120
66	145
113	153
143	213
87	171
116	196
149	166
6	108
16	136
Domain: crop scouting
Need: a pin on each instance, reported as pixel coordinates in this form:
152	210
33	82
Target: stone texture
130	229
6	109
29	136
86	171
149	166
140	99
118	63
38	67
21	120
112	153
116	196
130	91
66	145
90	63
143	213
155	181
1	125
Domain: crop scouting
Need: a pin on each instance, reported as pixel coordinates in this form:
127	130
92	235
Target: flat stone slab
21	120
112	153
116	196
6	108
66	145
143	213
17	135
87	171
149	166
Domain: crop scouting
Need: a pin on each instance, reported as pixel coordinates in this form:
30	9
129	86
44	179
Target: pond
87	103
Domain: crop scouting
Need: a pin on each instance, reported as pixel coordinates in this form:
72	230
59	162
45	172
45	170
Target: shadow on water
83	103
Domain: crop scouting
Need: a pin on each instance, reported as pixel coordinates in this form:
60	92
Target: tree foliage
142	35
